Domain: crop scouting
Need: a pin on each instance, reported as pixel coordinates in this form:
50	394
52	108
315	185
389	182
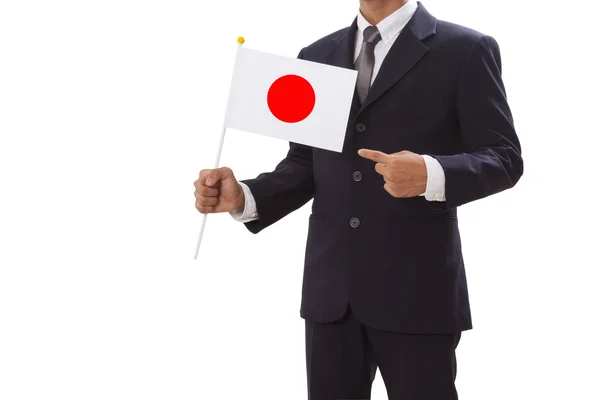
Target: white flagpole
240	41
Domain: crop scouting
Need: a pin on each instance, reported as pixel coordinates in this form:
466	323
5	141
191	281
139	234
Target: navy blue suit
396	264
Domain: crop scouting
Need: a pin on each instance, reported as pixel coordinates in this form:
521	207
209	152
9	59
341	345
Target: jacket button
360	127
357	176
354	222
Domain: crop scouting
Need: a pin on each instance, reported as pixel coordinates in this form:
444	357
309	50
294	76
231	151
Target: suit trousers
342	358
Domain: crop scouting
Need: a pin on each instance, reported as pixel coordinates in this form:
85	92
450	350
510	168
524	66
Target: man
429	130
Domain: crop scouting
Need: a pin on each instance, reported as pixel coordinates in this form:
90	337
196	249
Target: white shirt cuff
436	180
249	213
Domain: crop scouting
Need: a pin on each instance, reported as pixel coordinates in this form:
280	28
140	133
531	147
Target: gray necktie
365	61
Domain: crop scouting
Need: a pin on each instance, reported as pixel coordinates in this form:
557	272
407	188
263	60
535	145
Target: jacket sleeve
285	189
490	161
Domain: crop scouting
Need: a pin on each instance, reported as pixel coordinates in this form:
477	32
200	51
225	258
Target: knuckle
203	209
393	192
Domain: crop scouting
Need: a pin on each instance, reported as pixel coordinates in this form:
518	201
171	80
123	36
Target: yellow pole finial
241	40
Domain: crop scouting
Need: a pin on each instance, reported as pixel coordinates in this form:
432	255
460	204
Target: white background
109	109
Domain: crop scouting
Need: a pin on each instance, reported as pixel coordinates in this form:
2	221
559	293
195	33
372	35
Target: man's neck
376	11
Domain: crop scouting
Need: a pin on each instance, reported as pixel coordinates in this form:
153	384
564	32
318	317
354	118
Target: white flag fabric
288	98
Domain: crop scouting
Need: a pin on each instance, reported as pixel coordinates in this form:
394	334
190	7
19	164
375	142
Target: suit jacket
397	262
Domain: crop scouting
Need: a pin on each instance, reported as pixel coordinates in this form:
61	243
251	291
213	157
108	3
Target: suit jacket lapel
405	53
342	55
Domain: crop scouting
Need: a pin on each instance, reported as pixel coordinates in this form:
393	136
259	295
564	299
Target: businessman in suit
429	130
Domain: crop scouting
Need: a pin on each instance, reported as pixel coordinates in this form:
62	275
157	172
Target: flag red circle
291	98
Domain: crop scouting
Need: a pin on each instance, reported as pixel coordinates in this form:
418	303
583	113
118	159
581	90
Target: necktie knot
371	35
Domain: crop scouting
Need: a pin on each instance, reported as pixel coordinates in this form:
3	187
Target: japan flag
288	98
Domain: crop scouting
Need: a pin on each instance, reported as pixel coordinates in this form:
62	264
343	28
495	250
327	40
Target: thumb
217	175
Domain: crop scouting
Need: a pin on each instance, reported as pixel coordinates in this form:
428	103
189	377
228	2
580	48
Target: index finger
374	155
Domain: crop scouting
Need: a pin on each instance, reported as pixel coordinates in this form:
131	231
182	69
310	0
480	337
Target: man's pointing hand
404	173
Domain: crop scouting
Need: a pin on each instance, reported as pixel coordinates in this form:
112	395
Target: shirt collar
392	24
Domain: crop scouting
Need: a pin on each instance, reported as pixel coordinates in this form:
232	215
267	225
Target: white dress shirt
389	28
